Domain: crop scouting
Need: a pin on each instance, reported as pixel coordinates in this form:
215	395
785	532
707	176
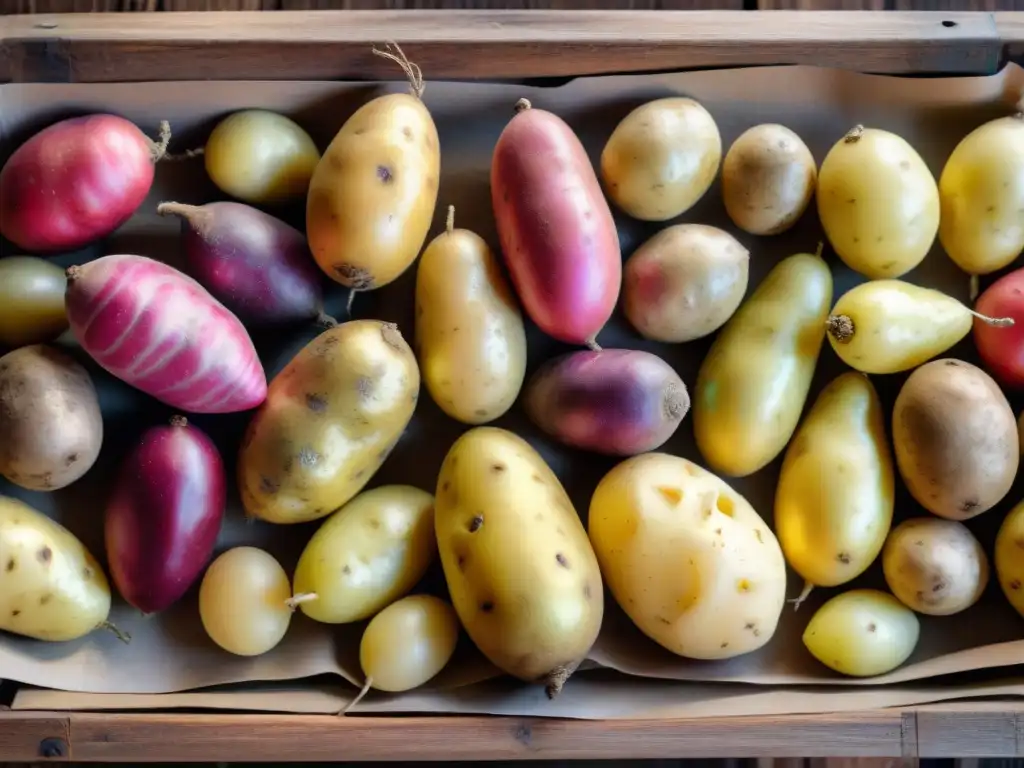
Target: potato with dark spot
520	569
53	588
331	417
934	566
956	439
50	419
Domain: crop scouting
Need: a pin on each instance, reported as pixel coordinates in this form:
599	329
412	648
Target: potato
372	195
768	178
49	419
53	588
687	558
368	554
470	338
862	633
956	440
330	419
981	191
521	573
878	203
661	159
260	157
835	497
1007	557
935	566
31	301
684	282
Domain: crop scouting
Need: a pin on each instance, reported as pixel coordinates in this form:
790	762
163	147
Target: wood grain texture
22	736
483	44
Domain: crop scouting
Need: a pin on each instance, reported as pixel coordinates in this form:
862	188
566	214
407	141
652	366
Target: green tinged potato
520	569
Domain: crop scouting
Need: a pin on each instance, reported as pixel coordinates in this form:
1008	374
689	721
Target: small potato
408	643
956	440
470	338
53	588
862	633
31	301
50	419
368	554
661	159
935	566
684	282
768	178
520	569
1008	561
260	157
687	558
330	419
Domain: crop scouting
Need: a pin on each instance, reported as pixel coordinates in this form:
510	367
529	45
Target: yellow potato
878	203
331	417
889	326
260	157
53	588
31	301
520	569
244	601
368	554
372	196
956	440
862	633
835	497
982	194
470	338
661	159
935	566
408	643
768	179
684	282
1008	561
687	558
755	378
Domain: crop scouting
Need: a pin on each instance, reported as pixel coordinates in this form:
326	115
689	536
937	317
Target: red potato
163	519
1002	347
160	331
76	181
556	229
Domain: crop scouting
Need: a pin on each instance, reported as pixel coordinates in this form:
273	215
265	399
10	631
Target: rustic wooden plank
964	733
890	5
822	5
241	738
1010	27
562	5
25	736
484	44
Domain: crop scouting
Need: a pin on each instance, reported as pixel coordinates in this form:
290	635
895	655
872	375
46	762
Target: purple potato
614	401
163	519
256	265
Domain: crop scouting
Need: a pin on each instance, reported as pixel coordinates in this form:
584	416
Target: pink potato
556	229
160	331
76	181
1002	347
164	516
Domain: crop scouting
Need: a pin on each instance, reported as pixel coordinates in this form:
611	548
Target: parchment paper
169	653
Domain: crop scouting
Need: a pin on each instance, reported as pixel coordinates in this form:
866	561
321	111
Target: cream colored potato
684	282
935	566
368	554
470	339
1008	562
862	633
768	179
687	558
661	159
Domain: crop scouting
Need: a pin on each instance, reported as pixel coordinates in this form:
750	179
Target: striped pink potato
160	331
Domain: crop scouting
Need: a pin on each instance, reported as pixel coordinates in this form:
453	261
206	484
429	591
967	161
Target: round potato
862	633
935	566
31	301
661	159
50	419
956	439
331	417
1008	561
684	282
768	179
687	558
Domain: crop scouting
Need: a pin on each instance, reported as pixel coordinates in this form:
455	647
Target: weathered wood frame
501	45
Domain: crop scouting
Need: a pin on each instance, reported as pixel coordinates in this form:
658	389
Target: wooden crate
518	44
